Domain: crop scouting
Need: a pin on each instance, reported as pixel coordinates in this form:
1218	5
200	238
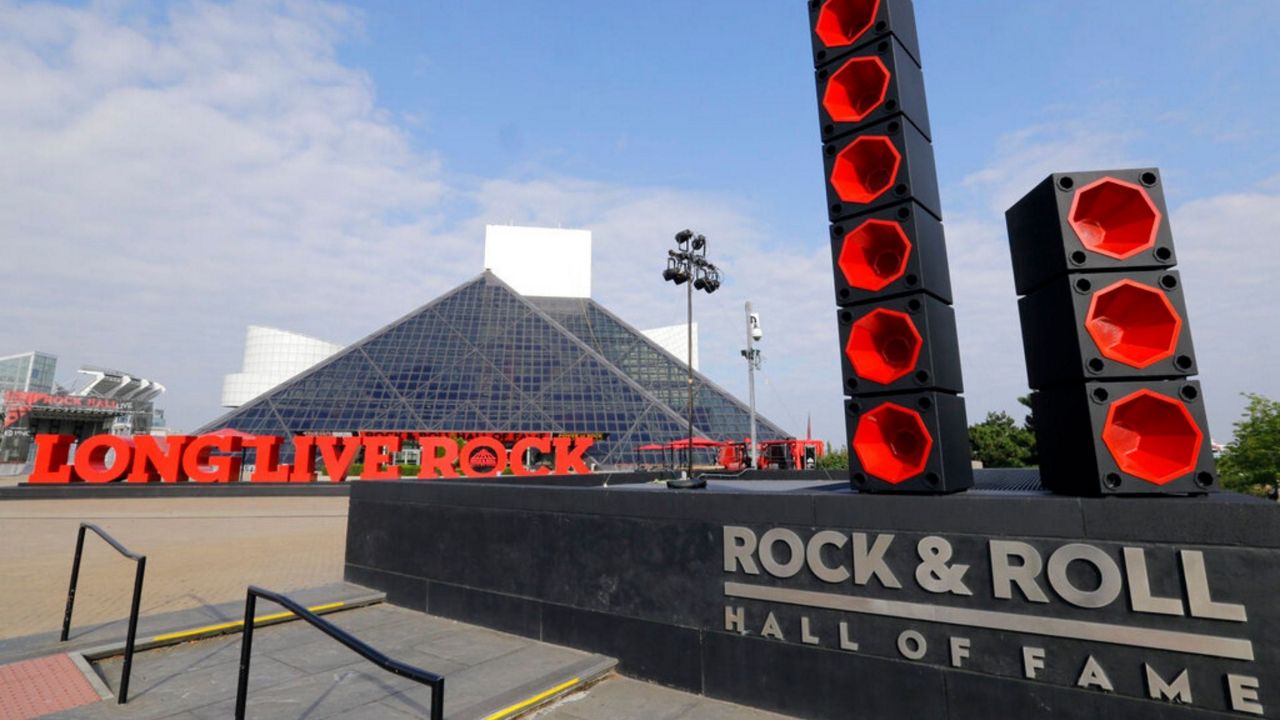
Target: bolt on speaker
885	164
1089	221
1124	438
904	344
868	86
908	443
894	251
838	27
1107	326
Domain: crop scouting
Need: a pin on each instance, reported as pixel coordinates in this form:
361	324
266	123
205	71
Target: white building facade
272	356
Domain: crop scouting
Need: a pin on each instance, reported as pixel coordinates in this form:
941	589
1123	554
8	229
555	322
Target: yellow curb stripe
508	711
240	623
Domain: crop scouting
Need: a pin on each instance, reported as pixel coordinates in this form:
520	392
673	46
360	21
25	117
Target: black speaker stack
1107	342
901	362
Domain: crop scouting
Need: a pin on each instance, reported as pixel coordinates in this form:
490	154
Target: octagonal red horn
865	169
1134	324
856	89
874	255
842	22
892	443
1152	437
1115	218
884	346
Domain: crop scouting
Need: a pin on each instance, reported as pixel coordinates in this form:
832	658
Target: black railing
141	560
395	667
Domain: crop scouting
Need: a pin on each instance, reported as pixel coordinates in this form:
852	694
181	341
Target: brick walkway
200	551
38	687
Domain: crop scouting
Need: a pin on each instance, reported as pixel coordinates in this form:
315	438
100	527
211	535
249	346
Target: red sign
214	458
18	403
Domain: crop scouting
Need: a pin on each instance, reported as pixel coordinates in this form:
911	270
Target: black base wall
639	574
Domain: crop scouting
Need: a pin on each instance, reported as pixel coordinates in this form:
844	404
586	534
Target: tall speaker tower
905	418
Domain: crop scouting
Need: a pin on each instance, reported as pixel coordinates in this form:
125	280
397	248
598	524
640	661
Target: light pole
688	264
752	355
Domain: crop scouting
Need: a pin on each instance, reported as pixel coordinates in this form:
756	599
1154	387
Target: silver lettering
739	544
769	560
1198	597
1004	576
1032	662
959	651
935	573
806	637
1094	676
735	620
1108	589
1244	694
1177	691
814	555
1135	567
845	642
771	629
867	563
912	645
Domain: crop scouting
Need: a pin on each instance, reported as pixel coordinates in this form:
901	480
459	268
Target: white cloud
1025	157
166	181
163	184
1229	265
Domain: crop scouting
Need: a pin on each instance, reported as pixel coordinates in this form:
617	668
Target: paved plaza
200	552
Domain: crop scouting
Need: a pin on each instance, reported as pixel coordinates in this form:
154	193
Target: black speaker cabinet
1124	438
873	84
894	251
1089	221
837	27
908	443
1106	326
884	164
903	344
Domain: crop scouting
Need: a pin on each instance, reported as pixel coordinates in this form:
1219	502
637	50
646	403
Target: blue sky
181	170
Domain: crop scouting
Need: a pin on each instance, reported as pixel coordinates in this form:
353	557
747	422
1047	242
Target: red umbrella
233	433
697	443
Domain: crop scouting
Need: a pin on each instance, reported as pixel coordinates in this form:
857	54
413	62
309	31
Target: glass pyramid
483	358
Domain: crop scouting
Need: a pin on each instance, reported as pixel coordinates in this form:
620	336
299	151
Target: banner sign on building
219	457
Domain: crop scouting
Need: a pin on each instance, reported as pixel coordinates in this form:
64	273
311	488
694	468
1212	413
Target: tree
1030	421
834	460
998	442
1251	461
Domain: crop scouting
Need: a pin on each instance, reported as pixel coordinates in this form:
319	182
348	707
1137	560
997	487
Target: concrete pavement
200	552
203	552
297	672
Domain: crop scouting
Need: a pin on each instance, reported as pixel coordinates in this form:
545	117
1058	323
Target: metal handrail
395	667
141	560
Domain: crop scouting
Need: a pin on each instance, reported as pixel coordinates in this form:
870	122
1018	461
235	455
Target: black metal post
71	590
689	367
246	649
133	631
437	700
134	609
688	264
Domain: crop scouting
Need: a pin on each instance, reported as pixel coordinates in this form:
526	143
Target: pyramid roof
483	358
